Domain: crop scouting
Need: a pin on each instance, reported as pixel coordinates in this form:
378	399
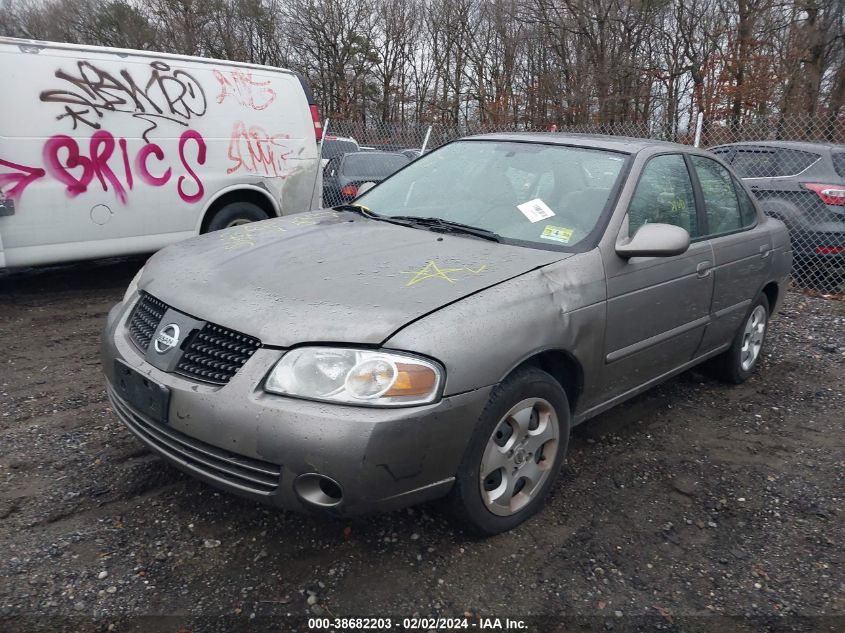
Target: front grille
253	475
145	318
212	354
215	354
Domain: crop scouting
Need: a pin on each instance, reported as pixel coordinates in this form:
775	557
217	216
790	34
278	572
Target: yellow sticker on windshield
557	233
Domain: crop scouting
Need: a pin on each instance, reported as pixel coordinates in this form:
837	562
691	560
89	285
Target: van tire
235	213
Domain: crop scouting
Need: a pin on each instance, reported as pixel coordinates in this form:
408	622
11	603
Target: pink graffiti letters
101	149
18	181
253	150
61	171
183	140
257	95
76	169
144	171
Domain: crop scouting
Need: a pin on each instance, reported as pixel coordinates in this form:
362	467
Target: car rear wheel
235	214
514	455
737	363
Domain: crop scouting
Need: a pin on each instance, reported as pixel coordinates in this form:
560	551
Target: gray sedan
441	336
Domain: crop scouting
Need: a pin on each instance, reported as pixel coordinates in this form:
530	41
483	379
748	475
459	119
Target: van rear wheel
235	214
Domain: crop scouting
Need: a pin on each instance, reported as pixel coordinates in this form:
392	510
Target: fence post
425	141
325	131
318	175
698	125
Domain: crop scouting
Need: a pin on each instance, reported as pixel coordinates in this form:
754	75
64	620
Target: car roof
811	146
369	155
625	144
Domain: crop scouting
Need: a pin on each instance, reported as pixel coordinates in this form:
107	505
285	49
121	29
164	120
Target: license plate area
140	392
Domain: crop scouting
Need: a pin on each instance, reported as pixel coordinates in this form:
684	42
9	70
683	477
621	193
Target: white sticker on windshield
535	210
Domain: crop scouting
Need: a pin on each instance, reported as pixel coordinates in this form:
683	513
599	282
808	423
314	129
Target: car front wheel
514	455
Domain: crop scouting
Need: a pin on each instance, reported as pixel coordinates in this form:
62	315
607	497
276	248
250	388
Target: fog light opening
318	490
330	488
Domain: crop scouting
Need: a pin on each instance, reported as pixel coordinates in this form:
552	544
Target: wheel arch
562	366
772	292
250	193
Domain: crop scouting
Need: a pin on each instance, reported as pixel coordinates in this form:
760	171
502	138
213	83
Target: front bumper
241	439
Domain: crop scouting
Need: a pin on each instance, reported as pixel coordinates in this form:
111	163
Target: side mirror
365	187
654	240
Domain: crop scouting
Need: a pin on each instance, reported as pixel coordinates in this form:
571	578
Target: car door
657	307
741	249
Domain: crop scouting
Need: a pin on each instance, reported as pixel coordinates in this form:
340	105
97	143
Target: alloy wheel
752	338
519	456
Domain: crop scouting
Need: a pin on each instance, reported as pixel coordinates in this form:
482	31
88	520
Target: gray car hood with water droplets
328	276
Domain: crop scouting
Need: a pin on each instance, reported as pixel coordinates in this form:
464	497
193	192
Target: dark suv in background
802	184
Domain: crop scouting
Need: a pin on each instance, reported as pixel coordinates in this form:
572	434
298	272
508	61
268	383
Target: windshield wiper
359	209
446	226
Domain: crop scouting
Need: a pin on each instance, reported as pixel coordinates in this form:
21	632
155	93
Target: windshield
549	195
372	165
332	148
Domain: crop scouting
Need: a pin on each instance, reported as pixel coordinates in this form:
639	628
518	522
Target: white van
106	151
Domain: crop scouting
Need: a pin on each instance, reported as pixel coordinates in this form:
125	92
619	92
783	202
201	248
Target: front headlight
133	286
354	376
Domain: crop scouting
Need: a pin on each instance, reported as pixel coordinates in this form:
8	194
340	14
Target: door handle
703	269
764	251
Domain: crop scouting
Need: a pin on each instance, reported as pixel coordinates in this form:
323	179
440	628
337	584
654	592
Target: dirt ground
697	506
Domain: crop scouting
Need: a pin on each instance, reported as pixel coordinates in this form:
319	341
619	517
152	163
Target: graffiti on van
162	94
250	93
77	168
19	178
255	151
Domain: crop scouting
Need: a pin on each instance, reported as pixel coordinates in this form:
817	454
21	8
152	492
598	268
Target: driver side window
664	194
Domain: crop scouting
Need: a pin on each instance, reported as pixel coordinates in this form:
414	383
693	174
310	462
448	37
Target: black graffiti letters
164	95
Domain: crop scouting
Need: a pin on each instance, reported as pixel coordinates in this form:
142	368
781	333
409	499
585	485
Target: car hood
328	276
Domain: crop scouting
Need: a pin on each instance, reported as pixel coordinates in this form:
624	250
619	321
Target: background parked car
344	174
337	146
802	184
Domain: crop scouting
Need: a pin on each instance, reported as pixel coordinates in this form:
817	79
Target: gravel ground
697	506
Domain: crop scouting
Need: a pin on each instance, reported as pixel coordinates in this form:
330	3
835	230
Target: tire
732	365
235	213
484	507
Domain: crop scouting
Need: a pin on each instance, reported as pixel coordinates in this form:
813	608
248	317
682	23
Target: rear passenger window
664	194
721	204
747	212
751	164
771	163
839	162
792	161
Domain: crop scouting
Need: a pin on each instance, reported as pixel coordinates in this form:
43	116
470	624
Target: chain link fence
794	166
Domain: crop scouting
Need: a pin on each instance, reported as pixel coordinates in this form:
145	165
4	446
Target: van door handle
703	269
764	251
